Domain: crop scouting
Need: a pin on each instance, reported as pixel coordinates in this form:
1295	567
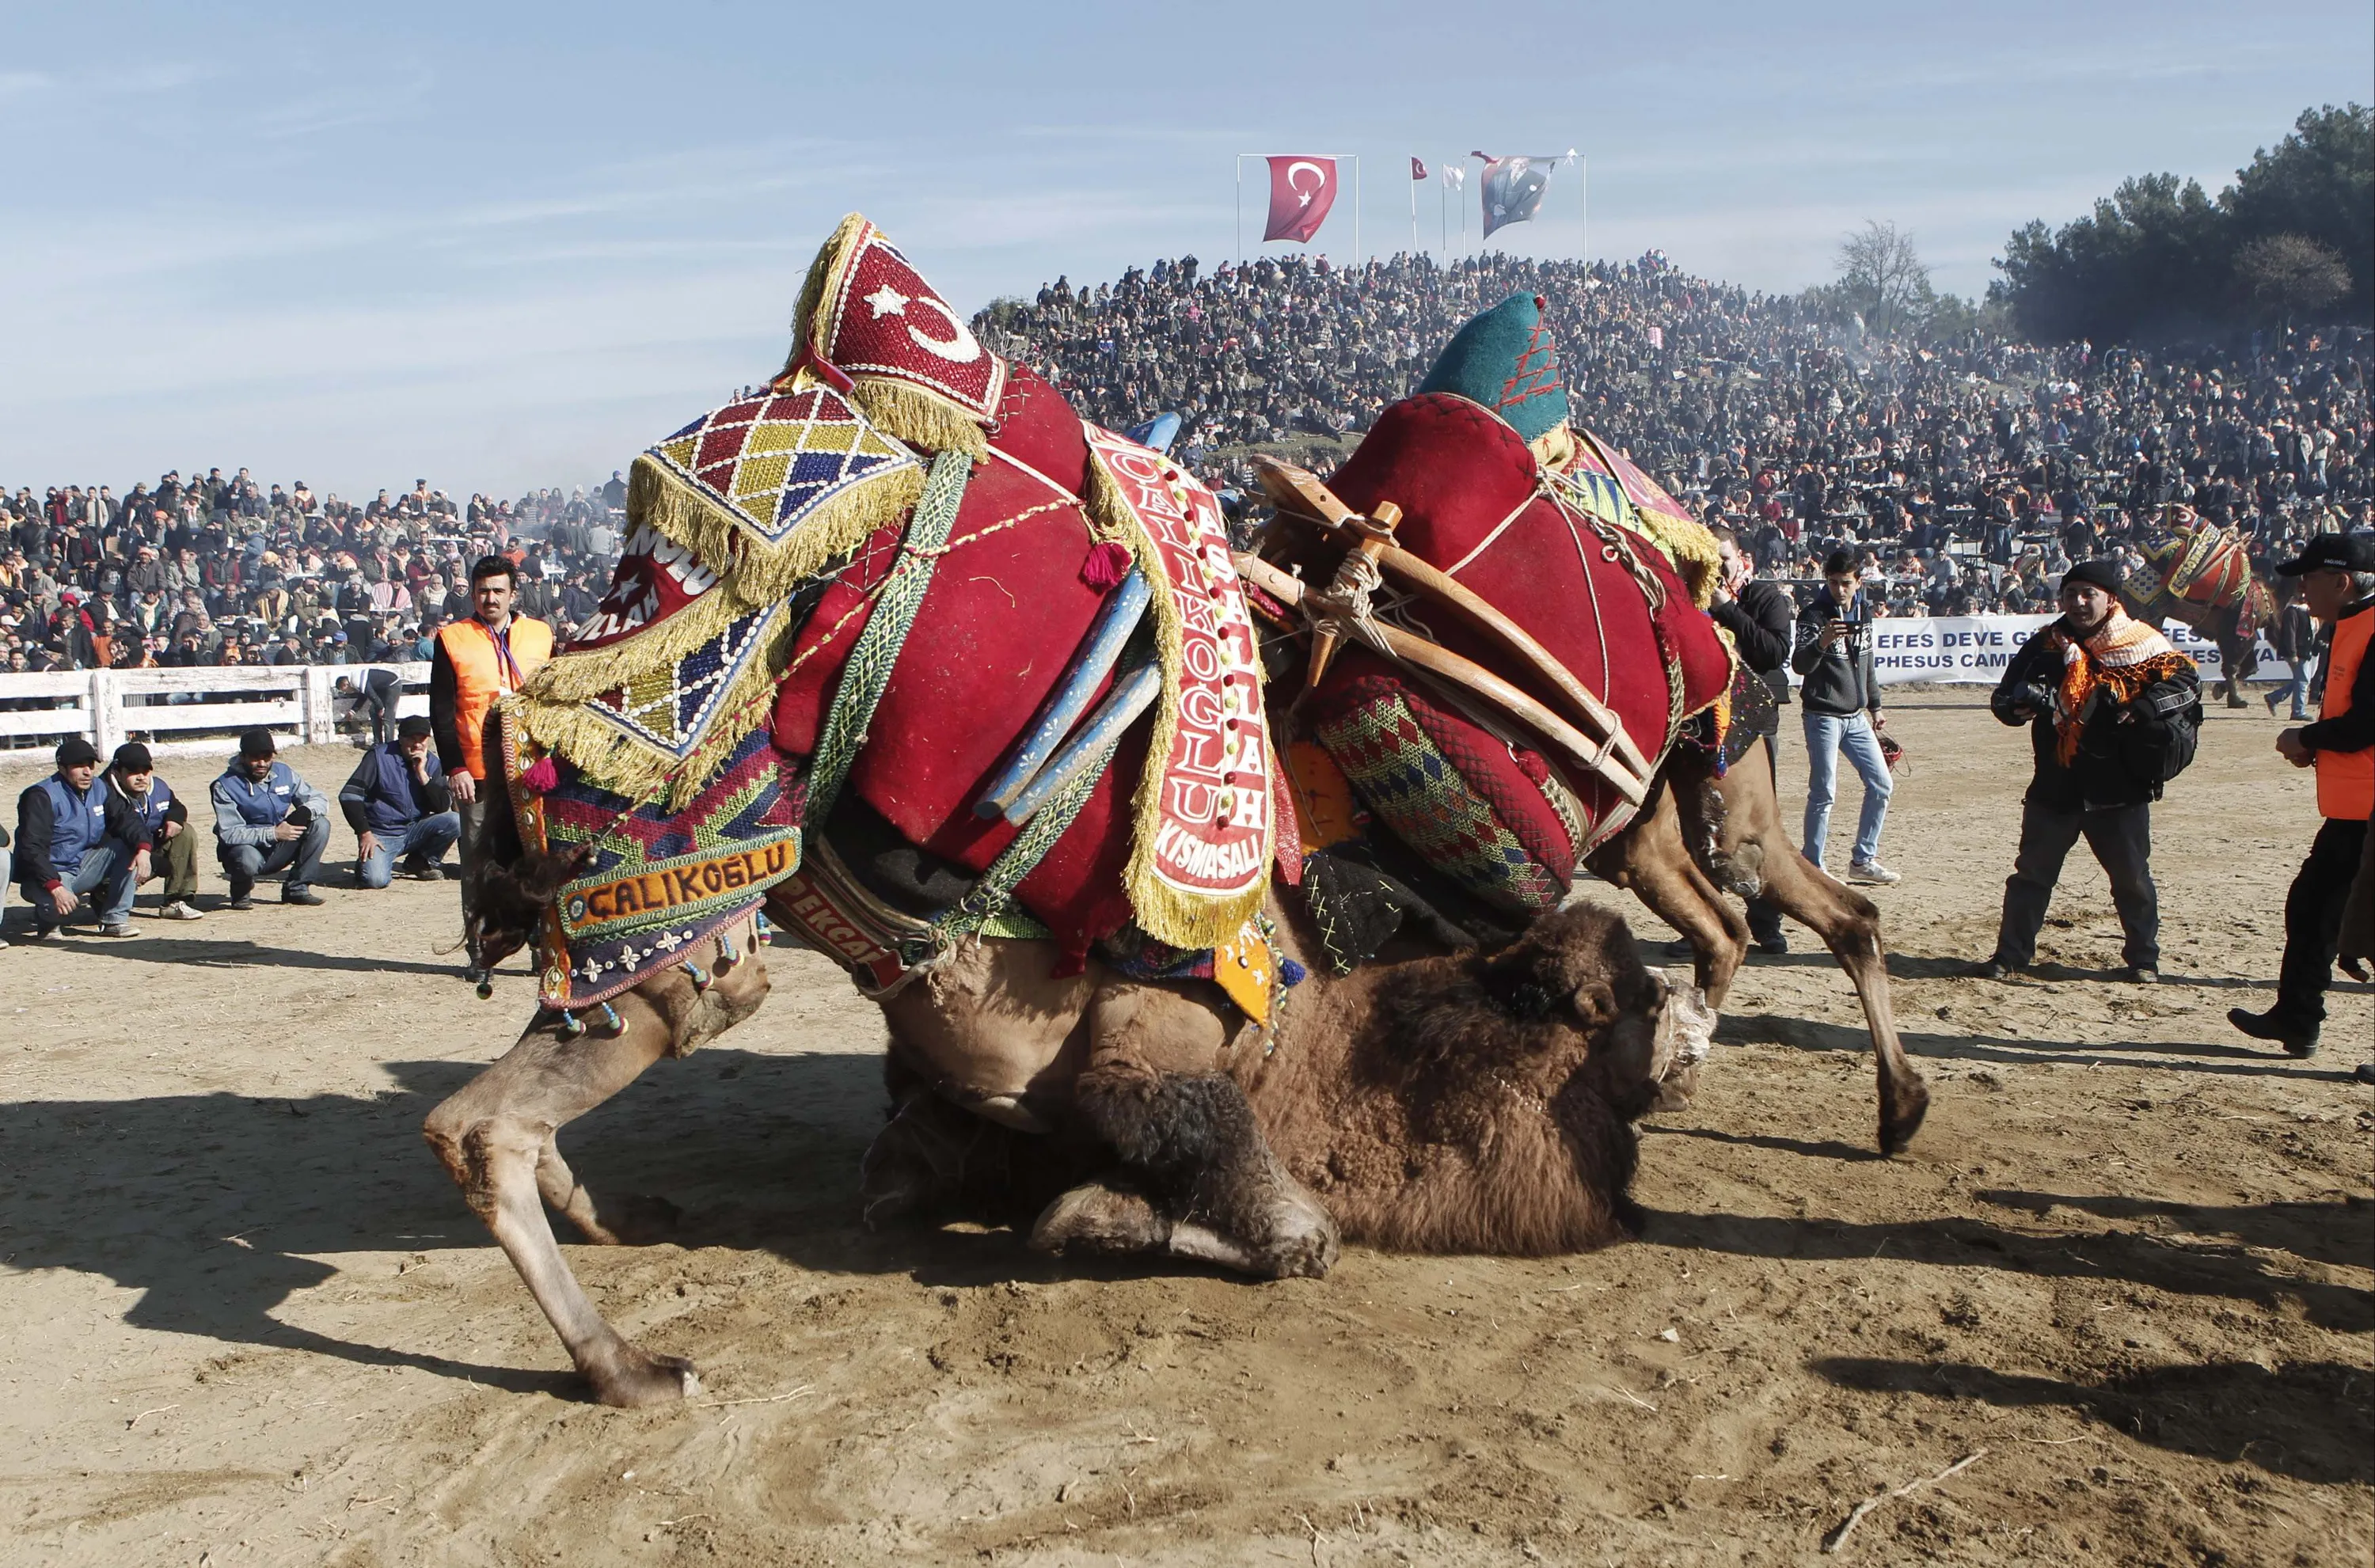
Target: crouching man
401	808
2113	711
74	838
172	855
269	819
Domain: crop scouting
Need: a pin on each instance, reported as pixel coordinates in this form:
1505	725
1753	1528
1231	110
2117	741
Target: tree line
2290	243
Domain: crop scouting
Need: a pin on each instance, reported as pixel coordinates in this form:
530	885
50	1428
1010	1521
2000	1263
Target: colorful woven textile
659	879
774	459
1466	805
1503	359
1204	819
670	707
1610	608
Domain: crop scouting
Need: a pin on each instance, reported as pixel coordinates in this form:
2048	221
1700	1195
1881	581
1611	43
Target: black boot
2295	1038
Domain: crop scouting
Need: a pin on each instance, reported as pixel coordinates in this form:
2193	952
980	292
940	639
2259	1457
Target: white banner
1974	649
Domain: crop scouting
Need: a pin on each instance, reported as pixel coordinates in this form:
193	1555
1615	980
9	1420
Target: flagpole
1241	209
1442	215
1413	215
1356	209
1583	190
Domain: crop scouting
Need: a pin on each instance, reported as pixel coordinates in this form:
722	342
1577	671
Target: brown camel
1464	1102
1702	835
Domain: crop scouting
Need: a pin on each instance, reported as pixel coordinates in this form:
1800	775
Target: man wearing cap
2105	699
73	838
476	661
269	819
399	805
2337	581
131	777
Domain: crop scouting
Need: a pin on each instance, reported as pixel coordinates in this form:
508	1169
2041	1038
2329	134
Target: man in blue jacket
398	804
131	777
269	819
74	838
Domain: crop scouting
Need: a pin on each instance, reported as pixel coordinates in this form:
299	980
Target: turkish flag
1418	169
1301	192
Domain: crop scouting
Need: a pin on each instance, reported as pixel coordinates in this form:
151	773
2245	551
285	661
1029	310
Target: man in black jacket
2294	639
1758	615
1840	712
2109	702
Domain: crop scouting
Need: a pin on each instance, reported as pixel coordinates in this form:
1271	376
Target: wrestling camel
1469	1103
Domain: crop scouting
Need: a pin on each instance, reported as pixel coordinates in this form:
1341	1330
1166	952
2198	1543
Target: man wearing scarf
2105	697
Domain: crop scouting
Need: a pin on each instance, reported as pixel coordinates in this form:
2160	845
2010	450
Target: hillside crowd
1964	474
1760	409
226	569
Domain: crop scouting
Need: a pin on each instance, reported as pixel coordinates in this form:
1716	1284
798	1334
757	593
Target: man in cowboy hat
2337	582
2107	699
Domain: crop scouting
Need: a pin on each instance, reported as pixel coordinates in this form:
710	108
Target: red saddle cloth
1006	610
1472	505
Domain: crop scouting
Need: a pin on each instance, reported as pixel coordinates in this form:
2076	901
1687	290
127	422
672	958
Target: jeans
2122	839
424	843
1828	734
301	858
106	871
2313	920
2295	688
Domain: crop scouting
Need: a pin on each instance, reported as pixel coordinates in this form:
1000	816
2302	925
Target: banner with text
1974	649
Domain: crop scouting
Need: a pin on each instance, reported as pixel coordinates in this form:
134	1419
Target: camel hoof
1900	1121
1096	1220
1306	1249
638	1380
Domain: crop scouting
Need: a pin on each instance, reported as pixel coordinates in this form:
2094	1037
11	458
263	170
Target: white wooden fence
170	709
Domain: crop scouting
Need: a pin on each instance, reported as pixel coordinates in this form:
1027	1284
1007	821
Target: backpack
2157	752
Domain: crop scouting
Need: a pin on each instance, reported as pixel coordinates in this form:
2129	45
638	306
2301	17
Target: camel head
1484	1100
1567	1007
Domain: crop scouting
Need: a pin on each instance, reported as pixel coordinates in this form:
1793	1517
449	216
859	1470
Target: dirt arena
2125	1280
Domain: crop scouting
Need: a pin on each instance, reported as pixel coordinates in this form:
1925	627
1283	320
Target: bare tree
1881	275
2285	273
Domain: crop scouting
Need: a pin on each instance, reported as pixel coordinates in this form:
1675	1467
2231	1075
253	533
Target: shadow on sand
2311	1421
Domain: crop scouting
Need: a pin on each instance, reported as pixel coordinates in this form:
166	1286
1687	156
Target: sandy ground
2124	1275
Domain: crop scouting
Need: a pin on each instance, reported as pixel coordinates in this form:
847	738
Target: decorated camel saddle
2193	570
905	591
1502	633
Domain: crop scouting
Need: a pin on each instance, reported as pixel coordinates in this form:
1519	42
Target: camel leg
1200	1178
1217	1195
496	1136
1652	861
1849	924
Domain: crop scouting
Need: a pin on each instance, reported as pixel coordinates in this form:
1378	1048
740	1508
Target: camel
1703	836
1445	1101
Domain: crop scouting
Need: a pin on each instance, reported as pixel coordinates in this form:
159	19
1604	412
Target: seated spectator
269	819
398	802
172	854
74	838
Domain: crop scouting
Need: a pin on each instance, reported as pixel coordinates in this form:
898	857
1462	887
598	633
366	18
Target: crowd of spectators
1964	474
225	569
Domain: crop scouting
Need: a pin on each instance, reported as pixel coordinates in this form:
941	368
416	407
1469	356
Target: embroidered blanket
675	732
1454	782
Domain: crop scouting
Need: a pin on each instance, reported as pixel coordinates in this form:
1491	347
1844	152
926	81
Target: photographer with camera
2113	713
1840	696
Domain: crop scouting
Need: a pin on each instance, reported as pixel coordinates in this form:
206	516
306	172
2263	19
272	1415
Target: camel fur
1467	1101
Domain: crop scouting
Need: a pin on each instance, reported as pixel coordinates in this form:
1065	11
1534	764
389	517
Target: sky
502	245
